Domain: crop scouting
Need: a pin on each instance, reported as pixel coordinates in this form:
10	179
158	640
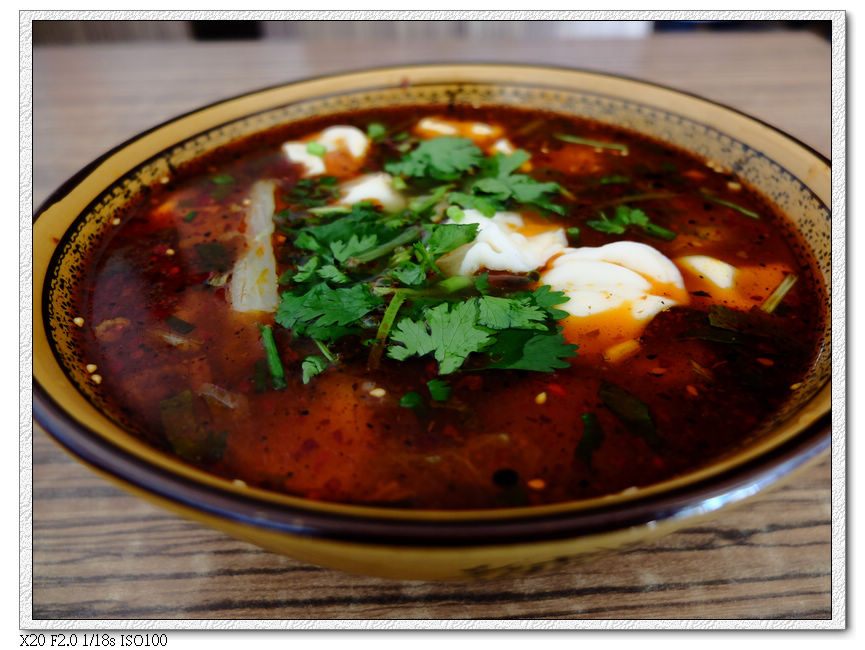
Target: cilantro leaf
447	331
362	220
439	390
306	271
376	131
447	237
342	250
411	400
510	313
497	184
630	410
330	272
628	216
311	366
444	159
502	165
591	440
526	350
312	192
409	274
547	299
482	283
316	312
426	201
474	202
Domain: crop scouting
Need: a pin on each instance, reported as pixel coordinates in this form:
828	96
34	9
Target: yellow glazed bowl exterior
406	544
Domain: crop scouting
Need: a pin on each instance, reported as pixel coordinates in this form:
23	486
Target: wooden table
101	554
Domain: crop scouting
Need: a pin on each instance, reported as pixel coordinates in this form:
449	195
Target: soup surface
448	308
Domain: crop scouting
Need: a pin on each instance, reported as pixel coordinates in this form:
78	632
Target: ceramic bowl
398	543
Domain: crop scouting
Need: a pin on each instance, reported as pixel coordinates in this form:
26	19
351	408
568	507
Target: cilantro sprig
497	186
627	216
360	271
442	159
516	333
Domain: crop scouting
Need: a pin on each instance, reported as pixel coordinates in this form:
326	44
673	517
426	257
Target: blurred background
97	83
47	32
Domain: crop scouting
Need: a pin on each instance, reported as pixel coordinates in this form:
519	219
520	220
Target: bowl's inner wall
809	228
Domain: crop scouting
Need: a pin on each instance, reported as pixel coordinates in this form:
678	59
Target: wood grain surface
98	553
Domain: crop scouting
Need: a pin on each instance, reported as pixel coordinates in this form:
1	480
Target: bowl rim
702	496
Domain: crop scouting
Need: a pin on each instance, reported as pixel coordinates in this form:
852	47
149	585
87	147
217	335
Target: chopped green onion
591	143
316	149
590	441
630	410
223	179
614	180
277	373
398	183
384	327
455	283
408	235
573	234
375	131
771	303
439	390
657	231
633	198
179	325
455	213
330	209
411	400
325	351
738	208
190	216
705	373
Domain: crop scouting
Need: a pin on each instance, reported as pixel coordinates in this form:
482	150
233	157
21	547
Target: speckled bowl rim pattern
65	402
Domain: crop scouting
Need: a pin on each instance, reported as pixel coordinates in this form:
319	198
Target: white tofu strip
350	138
719	273
373	187
499	247
253	285
603	278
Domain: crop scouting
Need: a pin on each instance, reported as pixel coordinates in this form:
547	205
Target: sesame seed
170	251
763	361
734	186
96	379
541	398
537	484
115	221
239	483
657	371
91	368
691	390
78	321
165	180
247	201
796	385
378	392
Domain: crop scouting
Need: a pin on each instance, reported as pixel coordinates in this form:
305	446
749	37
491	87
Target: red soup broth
174	356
